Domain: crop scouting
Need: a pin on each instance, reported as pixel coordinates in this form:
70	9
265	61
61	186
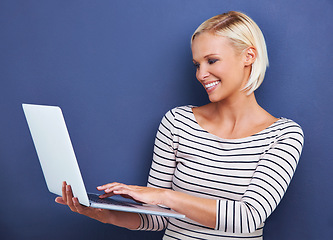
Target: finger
60	200
116	187
78	207
109	189
69	195
106	186
121	189
106	195
64	193
88	211
95	213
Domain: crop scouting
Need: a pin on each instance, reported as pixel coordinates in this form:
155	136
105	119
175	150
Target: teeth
211	84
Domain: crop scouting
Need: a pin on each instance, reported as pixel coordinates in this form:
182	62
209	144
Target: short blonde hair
243	33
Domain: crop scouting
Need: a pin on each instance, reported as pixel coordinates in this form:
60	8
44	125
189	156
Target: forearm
201	210
125	219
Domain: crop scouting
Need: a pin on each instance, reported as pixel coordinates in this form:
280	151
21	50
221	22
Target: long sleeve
269	183
162	168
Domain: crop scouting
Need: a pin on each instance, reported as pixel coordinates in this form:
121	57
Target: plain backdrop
115	67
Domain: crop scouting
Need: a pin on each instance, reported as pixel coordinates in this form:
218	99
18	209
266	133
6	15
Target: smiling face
220	69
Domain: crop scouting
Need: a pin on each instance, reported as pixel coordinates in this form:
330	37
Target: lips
211	86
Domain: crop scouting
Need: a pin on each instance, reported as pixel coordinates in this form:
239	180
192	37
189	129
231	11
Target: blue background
115	67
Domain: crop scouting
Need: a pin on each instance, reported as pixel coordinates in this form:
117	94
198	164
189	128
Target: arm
201	210
159	190
269	183
266	189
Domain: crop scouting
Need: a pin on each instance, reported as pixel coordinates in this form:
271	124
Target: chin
214	98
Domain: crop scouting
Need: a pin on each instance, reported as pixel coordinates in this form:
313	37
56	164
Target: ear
250	56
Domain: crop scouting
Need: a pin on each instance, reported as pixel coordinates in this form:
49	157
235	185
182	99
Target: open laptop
57	158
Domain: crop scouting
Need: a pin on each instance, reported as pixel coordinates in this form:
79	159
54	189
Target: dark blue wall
115	67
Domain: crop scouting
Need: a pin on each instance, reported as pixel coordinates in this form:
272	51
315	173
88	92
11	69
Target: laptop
58	162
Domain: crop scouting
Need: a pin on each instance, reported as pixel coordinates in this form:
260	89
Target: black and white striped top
247	176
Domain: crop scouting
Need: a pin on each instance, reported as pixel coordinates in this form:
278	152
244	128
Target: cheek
233	71
223	73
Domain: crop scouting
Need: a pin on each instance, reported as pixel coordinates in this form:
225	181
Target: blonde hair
243	33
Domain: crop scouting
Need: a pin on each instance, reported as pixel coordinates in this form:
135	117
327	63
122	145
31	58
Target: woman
225	165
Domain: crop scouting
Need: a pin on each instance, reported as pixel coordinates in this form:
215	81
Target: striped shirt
248	177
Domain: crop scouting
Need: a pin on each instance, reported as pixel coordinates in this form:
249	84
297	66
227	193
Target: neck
235	118
236	110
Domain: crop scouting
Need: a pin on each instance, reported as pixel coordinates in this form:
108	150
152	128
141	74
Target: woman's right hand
102	215
121	219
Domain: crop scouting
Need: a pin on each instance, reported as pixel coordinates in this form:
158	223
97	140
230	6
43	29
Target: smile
211	85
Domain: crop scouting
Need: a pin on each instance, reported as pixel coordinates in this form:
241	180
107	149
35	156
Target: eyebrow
207	56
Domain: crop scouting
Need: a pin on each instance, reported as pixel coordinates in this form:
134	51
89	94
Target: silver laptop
57	159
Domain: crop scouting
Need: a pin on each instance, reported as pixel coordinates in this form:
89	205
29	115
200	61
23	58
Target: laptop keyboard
95	198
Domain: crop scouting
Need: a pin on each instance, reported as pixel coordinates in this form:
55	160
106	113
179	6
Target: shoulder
185	111
178	116
288	128
286	124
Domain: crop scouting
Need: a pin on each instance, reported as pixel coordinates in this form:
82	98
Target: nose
202	73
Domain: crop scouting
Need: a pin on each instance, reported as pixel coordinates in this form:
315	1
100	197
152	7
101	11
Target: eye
211	61
196	65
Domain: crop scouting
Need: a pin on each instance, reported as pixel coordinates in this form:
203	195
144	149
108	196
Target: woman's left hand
202	210
140	194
